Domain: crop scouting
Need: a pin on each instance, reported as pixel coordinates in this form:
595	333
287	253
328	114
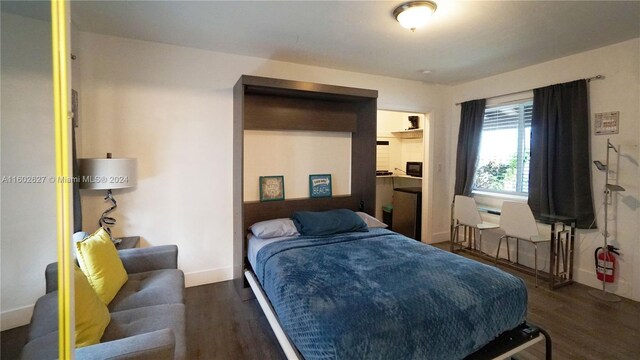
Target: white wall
619	91
28	232
171	108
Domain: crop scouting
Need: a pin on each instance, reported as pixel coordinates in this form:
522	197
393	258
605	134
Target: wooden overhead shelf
408	134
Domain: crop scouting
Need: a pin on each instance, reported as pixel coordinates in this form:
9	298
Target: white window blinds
503	161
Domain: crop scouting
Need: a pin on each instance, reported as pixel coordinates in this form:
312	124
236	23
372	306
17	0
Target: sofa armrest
150	346
51	277
149	259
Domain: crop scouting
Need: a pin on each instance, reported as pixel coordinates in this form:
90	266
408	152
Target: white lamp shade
105	174
414	14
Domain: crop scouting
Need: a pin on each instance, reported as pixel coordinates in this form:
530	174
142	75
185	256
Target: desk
563	230
559	250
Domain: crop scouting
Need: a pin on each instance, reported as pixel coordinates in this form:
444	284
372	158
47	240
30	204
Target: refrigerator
407	211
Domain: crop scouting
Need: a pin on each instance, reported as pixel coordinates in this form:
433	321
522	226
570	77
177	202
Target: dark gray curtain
559	174
77	206
471	118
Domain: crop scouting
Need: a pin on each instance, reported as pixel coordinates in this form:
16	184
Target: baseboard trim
439	237
620	287
209	276
16	317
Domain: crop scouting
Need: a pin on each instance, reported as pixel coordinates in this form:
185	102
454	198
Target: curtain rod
597	77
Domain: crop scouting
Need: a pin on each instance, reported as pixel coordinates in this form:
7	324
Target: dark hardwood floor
12	342
220	326
581	327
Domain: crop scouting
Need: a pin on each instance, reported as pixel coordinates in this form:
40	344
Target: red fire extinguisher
606	263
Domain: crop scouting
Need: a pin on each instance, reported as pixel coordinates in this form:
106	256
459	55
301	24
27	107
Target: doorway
403	137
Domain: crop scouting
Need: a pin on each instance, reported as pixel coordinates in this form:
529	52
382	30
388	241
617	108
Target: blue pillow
328	222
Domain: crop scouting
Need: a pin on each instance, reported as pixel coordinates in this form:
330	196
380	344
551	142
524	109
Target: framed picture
606	123
320	185
271	188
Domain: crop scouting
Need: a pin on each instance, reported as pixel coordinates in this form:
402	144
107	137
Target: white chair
466	215
517	221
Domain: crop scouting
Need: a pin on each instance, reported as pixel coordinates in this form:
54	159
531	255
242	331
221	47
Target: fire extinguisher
606	263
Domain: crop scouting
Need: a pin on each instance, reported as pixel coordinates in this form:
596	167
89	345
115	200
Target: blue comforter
380	295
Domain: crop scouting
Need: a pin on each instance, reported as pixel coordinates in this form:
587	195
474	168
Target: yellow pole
63	174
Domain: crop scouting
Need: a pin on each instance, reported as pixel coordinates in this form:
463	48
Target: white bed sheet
255	244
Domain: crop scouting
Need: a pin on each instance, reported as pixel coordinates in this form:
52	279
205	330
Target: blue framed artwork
320	185
271	188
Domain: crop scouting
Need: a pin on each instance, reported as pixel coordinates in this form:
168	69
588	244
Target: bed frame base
504	346
512	342
287	346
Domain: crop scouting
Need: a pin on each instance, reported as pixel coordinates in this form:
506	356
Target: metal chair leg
454	228
467	236
454	237
472	231
498	252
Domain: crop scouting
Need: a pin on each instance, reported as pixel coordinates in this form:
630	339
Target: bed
377	294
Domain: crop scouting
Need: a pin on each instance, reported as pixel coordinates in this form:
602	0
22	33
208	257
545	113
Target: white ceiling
465	40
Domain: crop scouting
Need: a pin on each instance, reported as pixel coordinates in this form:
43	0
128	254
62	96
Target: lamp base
604	296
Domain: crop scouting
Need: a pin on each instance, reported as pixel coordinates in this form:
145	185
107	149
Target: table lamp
107	174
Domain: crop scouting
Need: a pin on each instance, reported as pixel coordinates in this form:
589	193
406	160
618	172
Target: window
503	161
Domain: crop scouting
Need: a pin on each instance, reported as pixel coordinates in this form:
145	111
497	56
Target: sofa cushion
45	316
92	316
99	260
150	288
155	345
44	347
142	320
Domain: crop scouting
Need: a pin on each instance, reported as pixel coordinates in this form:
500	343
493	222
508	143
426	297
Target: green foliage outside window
497	176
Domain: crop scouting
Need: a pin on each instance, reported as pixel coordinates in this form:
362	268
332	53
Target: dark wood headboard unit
261	103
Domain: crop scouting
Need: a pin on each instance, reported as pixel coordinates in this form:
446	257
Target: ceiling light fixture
414	14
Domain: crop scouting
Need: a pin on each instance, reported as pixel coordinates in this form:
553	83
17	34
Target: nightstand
128	242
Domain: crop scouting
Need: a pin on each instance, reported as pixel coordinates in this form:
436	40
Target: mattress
255	244
381	295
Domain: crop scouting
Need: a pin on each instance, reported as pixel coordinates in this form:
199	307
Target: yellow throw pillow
92	316
99	261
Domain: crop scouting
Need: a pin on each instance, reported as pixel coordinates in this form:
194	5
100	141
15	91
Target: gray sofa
147	314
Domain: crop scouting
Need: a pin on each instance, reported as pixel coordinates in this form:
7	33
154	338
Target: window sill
492	200
500	196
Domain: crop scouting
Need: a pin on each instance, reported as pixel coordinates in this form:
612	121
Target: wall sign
606	123
271	188
320	185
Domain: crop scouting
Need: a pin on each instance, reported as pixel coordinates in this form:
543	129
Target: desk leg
552	257
452	228
572	234
558	251
564	237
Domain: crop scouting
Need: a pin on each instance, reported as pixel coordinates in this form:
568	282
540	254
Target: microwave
414	168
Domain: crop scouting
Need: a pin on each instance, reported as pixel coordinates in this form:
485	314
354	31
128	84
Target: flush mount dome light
414	14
